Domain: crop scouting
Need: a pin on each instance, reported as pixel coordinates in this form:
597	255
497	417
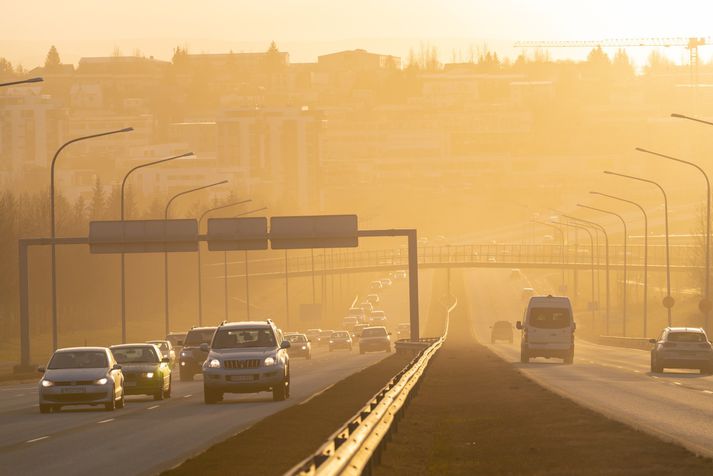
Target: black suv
190	362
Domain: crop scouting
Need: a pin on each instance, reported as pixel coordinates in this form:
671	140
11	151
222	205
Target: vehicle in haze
81	376
246	357
300	346
501	330
313	335
403	330
323	337
356	333
515	273
547	329
526	294
386	282
192	356
377	318
146	371
375	338
376	285
367	307
176	339
373	299
682	348
400	274
358	313
166	350
349	322
340	340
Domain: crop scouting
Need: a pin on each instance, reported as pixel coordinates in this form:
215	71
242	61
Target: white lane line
677	383
153	407
37	439
708	392
637	371
314	395
187	396
105	421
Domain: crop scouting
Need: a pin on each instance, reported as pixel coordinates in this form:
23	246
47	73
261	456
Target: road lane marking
677	383
105	421
187	396
315	395
153	407
707	391
637	371
37	439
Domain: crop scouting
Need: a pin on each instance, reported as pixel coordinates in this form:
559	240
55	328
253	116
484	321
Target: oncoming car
192	355
300	346
340	340
146	371
81	376
246	357
682	348
375	338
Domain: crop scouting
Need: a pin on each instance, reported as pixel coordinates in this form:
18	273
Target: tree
52	60
98	203
622	64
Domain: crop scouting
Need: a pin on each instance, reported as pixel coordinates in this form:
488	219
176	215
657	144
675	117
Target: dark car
501	330
340	340
323	337
300	345
190	361
146	371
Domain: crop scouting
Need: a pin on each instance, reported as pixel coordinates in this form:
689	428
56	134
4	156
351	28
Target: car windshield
81	359
686	337
198	337
135	355
374	332
243	338
296	339
340	335
549	318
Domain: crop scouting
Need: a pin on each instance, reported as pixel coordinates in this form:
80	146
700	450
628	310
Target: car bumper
548	350
675	361
340	345
80	395
367	346
190	366
243	381
143	387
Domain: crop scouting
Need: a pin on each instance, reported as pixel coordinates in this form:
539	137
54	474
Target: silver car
81	376
682	348
375	338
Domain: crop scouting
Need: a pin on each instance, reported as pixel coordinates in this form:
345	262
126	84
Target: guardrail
627	342
359	442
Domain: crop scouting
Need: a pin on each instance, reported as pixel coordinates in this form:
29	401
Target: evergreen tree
98	203
52	60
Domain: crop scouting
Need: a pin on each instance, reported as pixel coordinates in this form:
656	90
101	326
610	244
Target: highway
149	436
676	406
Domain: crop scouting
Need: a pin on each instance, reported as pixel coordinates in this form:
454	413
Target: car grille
76	397
70	383
242	364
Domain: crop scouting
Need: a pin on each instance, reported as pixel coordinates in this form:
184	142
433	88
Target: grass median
476	414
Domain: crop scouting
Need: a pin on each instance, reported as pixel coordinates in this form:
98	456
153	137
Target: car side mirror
285	344
41	370
518	325
205	347
652	341
116	367
166	360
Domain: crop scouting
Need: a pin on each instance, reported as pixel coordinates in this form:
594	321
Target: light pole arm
233	204
185	192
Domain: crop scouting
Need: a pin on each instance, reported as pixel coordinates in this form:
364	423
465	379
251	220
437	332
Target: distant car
340	340
400	274
300	345
324	337
356	333
81	376
367	307
166	350
403	330
190	361
358	313
386	282
526	294
547	329
146	370
376	285
246	357
377	318
375	338
176	339
349	322
501	330
515	273
373	299
682	348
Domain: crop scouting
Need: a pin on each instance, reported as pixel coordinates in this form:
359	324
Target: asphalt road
147	436
676	405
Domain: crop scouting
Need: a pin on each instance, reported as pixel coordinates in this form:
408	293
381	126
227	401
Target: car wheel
279	392
210	396
524	357
170	386
45	408
110	406
121	402
160	394
185	376
655	367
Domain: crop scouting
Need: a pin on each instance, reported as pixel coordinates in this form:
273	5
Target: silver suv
246	357
682	348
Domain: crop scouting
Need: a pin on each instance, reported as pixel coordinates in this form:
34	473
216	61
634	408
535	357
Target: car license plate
74	390
241	378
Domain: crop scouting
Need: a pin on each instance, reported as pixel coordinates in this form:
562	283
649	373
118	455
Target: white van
547	329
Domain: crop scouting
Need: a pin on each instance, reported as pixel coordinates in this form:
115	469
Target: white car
547	329
81	376
375	338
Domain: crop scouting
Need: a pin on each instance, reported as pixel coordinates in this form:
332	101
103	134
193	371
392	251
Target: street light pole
668	300
646	251
706	304
53	234
23	81
591	241
165	253
200	277
247	272
625	257
123	260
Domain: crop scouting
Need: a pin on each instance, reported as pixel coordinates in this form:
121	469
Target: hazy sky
309	27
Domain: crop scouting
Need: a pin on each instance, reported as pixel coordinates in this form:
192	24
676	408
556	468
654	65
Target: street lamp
23	81
52	223
165	253
591	241
625	235
562	254
705	305
247	277
200	278
123	264
646	251
668	301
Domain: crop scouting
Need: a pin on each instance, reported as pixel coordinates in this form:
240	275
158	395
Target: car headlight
148	375
101	381
185	354
270	361
214	364
304	347
47	383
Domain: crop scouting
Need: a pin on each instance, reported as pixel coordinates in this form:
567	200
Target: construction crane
691	44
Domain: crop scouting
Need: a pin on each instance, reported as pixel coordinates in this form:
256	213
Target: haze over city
322	238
